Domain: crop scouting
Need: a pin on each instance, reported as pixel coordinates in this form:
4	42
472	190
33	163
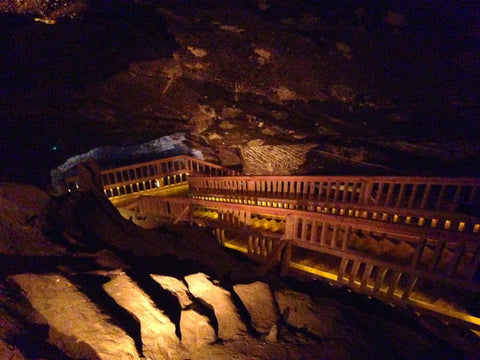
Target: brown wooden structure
412	241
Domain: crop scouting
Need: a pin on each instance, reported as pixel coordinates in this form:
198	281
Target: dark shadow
163	299
92	46
91	285
34	344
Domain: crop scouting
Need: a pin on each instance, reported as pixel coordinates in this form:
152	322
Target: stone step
157	331
260	304
230	324
76	325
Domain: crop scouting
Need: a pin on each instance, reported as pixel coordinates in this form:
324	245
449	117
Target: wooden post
366	276
418	252
182	215
354	272
272	258
436	256
393	284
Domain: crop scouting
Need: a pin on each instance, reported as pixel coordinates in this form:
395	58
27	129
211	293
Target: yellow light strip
236	247
312	270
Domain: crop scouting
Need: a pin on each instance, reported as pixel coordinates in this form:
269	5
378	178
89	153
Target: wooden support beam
437	255
366	276
342	269
272	258
418	253
457	257
353	273
182	215
379	280
412	281
286	256
393	284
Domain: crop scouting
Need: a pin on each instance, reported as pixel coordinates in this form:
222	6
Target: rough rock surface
9	352
76	325
260	304
176	287
274	159
324	321
157	331
360	74
196	330
230	324
107	258
23	221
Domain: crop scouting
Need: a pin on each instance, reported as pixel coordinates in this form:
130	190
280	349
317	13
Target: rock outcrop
260	304
23	222
157	331
76	325
230	325
196	329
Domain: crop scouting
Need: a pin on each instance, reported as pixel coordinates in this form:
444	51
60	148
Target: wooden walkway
409	241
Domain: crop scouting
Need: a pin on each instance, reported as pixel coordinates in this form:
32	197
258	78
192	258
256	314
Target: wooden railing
385	260
154	174
425	193
388	237
400	200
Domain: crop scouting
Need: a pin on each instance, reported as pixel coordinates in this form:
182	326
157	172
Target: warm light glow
447	225
312	270
236	247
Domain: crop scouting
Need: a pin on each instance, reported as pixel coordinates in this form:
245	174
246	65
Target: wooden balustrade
423	254
383	236
170	208
150	175
432	253
436	194
429	202
390	261
455	222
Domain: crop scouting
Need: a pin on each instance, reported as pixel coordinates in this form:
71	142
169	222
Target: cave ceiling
367	87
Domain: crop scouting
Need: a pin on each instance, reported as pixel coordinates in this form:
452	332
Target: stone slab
77	326
157	331
260	304
230	324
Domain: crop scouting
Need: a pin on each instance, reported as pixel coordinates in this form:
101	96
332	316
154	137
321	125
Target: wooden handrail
432	255
425	193
144	176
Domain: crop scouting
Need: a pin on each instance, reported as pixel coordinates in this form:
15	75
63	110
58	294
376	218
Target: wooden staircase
410	241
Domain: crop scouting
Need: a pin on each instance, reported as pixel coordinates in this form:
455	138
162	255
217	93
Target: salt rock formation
300	311
229	323
175	287
196	330
157	331
91	335
9	352
22	221
260	304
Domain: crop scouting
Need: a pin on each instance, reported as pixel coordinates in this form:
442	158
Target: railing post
366	192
